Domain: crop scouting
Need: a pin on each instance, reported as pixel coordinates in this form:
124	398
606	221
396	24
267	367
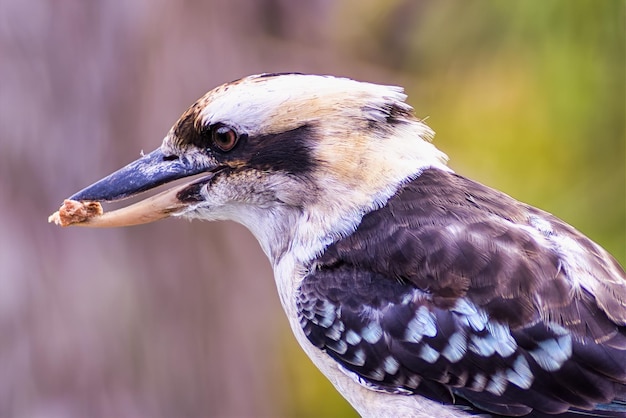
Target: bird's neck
355	178
350	179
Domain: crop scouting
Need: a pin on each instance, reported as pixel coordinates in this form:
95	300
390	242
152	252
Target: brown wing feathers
450	290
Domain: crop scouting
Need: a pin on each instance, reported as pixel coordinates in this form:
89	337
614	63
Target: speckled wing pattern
454	291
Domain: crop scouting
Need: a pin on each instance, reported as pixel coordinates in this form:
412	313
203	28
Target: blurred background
180	319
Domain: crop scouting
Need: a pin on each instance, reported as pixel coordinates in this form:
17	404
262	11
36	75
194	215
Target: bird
416	291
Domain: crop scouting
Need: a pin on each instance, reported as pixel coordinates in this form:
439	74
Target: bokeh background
180	319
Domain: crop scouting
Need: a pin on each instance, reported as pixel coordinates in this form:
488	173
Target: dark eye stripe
289	151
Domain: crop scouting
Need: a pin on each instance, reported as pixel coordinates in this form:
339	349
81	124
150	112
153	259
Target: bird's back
461	294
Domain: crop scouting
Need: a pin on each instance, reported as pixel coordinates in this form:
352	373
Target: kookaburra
416	291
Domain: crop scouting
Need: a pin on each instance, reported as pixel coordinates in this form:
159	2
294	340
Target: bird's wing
462	294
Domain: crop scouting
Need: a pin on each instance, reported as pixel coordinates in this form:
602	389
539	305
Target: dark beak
148	172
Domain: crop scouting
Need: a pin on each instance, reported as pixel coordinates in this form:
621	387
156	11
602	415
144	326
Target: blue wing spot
479	382
552	353
334	332
456	348
372	332
325	315
423	324
352	337
339	347
428	354
391	365
482	346
497	384
520	375
358	359
503	341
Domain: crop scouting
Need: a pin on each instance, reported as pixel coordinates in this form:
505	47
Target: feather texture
459	293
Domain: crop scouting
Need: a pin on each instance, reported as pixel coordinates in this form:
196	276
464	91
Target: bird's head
290	156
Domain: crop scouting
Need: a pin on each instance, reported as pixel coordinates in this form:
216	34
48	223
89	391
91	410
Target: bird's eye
224	137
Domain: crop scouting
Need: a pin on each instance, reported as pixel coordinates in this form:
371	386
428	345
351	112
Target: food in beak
73	212
90	213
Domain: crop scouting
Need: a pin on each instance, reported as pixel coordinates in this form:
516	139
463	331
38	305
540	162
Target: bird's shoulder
452	237
455	290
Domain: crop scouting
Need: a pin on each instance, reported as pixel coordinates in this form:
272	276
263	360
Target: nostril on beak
170	157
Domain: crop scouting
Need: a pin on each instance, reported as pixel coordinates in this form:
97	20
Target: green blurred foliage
525	96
